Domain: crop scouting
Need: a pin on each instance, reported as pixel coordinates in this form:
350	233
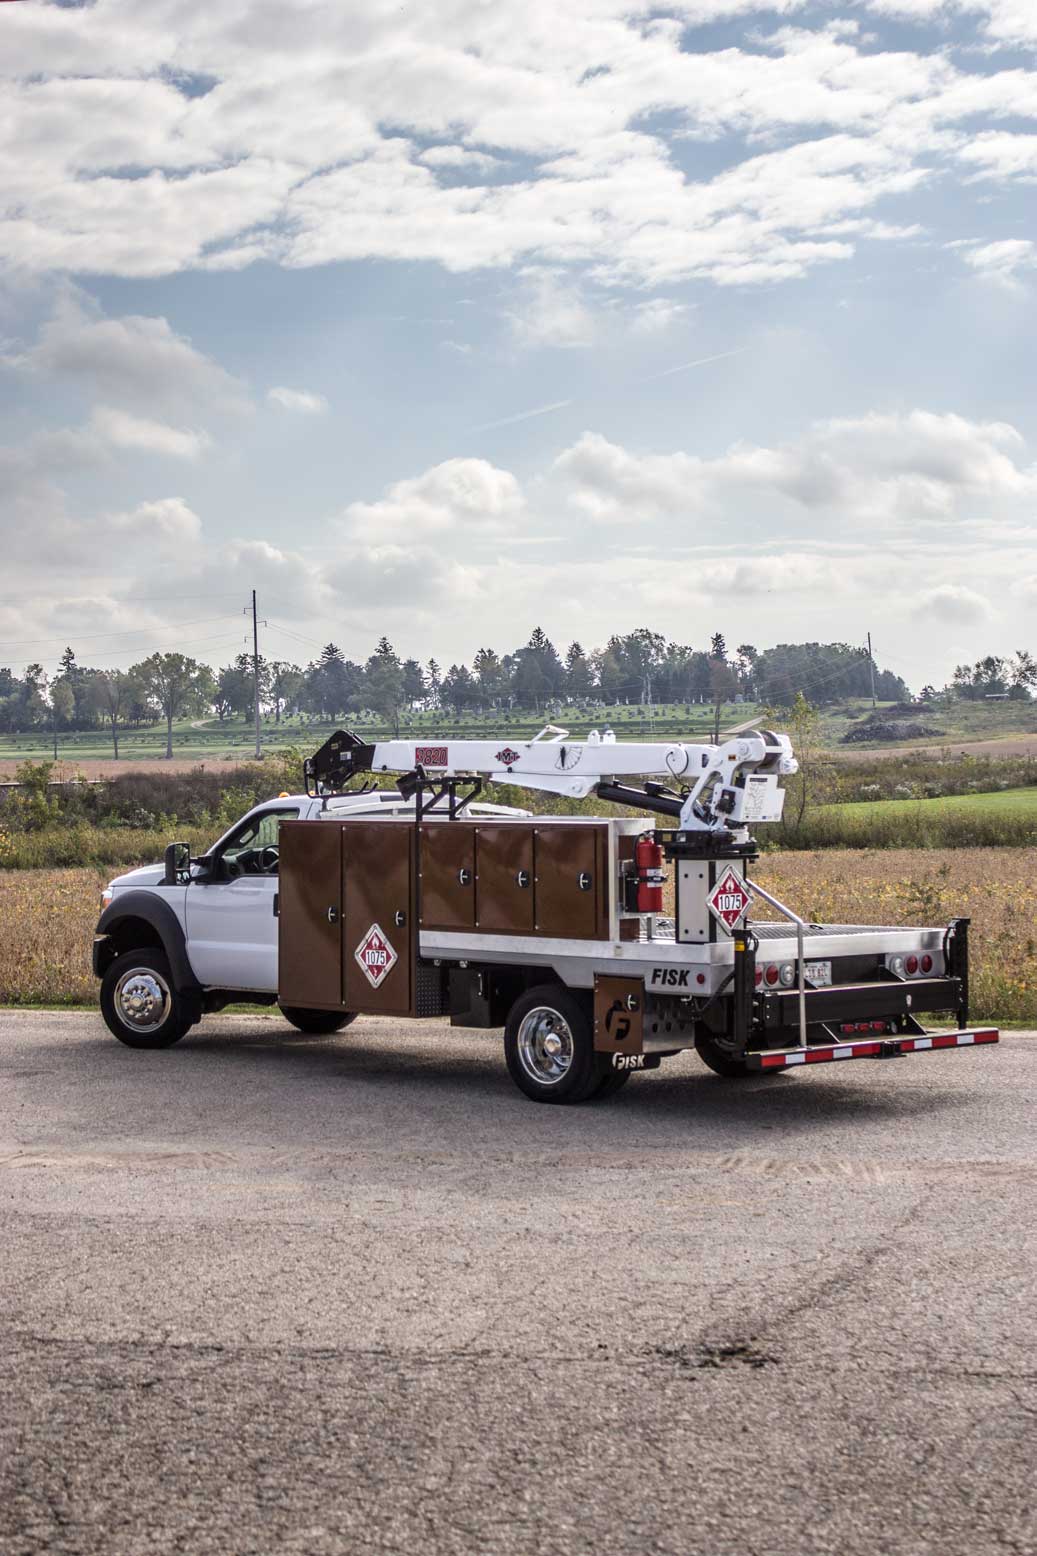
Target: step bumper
870	1048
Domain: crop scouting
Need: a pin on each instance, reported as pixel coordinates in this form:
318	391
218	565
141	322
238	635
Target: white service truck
422	901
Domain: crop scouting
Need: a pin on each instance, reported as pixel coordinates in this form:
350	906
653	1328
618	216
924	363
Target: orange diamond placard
376	957
730	899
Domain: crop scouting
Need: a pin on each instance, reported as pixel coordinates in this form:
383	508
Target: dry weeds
47	917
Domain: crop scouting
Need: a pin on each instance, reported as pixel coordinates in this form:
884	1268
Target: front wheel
317	1023
549	1047
139	1003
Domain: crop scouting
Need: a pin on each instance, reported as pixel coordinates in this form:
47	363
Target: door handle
277	904
584	881
463	876
400	918
333	914
522	878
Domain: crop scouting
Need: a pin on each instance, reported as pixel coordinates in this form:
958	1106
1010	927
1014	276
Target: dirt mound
887	729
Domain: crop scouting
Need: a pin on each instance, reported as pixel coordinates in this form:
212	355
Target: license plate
819	974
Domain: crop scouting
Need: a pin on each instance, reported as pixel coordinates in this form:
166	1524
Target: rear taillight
772	975
927	963
759	976
911	965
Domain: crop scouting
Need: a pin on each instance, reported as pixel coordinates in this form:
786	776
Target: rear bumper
870	1048
861	1001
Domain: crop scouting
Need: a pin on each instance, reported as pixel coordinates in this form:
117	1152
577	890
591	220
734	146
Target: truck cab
213	921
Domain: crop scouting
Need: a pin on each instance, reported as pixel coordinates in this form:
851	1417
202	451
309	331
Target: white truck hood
146	875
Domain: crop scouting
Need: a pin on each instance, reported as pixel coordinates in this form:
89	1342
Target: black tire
721	1061
141	982
580	1073
317	1023
611	1082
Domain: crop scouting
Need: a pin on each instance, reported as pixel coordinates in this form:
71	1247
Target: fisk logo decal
508	757
669	977
375	956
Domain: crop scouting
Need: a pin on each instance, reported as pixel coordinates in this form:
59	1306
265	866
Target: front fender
148	909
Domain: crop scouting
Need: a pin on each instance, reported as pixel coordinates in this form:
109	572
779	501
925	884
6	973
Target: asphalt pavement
262	1293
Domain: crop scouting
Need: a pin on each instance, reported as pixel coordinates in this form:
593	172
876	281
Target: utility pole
871	666
255	669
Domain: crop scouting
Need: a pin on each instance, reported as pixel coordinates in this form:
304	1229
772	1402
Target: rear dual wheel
549	1048
317	1023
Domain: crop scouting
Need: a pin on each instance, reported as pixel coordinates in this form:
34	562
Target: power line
91	637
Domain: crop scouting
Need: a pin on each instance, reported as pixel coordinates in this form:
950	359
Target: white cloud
954	604
917	466
1003	260
460	493
166	521
1001	155
461	158
136	360
310	143
656	315
550	311
298	400
138	435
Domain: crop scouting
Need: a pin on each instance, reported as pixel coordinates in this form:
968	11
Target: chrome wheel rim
142	999
545	1046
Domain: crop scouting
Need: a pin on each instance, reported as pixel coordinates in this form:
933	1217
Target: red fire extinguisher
648	857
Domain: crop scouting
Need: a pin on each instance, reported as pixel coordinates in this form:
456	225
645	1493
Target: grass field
959	723
1020	803
1005	818
49	917
209	741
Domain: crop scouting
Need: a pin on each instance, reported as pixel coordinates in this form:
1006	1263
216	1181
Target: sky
451	319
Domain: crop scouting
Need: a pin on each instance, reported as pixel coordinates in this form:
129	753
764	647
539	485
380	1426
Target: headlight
106	897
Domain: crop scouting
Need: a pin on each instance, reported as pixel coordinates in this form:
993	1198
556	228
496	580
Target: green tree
808	786
385	683
177	685
579	676
112	692
433	682
489	675
413	682
283	681
459	690
62	704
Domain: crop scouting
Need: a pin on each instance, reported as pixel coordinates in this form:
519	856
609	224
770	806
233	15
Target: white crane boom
723	786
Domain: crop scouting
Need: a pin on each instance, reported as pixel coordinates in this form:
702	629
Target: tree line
637	667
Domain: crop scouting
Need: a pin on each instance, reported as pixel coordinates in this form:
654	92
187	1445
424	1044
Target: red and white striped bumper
869	1048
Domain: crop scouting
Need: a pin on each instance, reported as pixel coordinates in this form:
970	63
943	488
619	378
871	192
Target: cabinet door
447	895
310	911
570	881
378	896
504	889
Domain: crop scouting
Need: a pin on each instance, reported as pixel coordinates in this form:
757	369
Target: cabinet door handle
333	914
584	881
400	918
463	876
522	878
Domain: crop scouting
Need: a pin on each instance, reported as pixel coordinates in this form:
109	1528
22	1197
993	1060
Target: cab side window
253	847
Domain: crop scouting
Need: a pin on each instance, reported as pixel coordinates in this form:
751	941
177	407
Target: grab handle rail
801	925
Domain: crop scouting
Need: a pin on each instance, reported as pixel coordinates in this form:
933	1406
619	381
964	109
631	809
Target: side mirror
178	862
